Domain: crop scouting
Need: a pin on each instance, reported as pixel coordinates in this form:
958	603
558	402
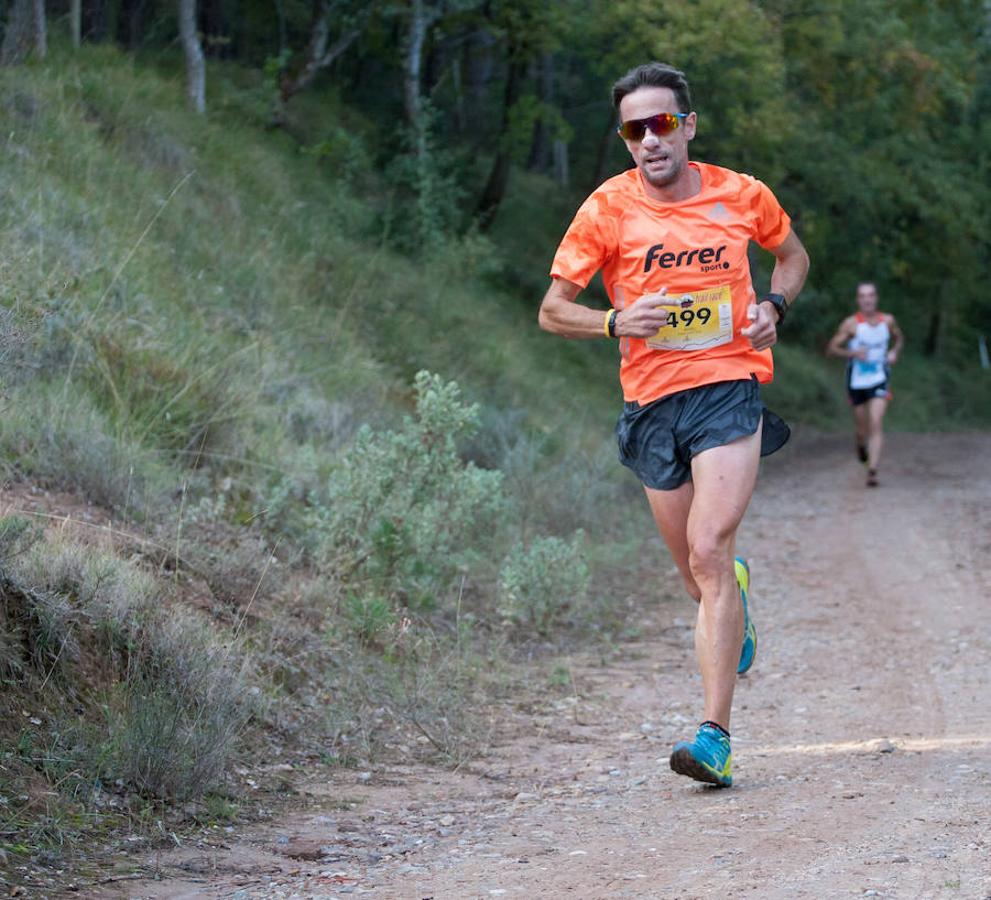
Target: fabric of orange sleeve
586	245
772	224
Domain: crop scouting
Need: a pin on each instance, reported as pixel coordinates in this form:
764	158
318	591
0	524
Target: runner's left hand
892	357
762	330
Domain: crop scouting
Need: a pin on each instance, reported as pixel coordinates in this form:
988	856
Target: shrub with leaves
404	515
538	584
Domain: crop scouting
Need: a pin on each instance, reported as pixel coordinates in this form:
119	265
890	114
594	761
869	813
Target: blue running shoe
708	758
749	649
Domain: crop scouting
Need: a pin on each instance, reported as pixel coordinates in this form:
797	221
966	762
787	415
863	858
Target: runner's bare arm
899	341
837	344
560	314
790	268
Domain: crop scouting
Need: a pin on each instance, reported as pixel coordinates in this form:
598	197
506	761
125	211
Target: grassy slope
252	248
203	315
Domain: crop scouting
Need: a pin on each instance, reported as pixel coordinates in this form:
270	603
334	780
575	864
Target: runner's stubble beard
669	177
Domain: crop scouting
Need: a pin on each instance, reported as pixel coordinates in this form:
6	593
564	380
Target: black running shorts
859	396
658	441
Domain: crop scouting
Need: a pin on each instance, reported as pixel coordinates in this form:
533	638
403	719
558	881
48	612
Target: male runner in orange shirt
671	239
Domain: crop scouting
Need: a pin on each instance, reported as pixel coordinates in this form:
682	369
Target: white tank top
872	370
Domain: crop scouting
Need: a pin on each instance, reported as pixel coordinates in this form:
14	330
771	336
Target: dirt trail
862	738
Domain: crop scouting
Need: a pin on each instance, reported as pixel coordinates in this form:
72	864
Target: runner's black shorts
859	396
657	441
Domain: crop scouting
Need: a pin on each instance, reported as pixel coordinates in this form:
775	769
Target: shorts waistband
634	405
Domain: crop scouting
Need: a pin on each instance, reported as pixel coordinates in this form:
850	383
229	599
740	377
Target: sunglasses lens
661	124
633	130
665	123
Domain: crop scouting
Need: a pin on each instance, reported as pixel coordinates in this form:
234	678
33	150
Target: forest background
291	476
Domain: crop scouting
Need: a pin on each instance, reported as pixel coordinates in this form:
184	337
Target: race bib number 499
704	320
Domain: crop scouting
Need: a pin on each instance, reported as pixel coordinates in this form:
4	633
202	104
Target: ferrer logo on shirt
708	258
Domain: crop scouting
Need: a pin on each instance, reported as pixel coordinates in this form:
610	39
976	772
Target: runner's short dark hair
654	74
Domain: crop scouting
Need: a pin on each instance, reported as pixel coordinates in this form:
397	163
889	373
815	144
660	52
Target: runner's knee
709	555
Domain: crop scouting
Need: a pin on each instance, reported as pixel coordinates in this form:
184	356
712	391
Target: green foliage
542	582
523	117
884	192
806	388
342	155
369	616
427	174
733	57
403	514
932	394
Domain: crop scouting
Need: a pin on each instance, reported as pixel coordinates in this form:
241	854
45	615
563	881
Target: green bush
540	583
403	514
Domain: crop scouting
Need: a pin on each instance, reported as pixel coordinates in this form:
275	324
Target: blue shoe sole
745	662
684	763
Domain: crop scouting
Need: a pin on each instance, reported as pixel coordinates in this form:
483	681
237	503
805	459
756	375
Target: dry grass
131	690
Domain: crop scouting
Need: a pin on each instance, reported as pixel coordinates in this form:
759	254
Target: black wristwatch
779	303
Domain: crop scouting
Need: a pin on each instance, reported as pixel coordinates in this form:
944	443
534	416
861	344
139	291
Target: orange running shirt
697	246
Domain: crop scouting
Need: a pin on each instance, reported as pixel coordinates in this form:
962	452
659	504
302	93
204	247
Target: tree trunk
40	30
280	11
562	168
413	62
498	181
94	20
76	21
17	33
317	57
540	146
459	95
130	17
932	335
421	16
195	64
218	21
24	32
602	152
479	62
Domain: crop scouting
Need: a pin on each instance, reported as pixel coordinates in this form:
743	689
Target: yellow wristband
605	324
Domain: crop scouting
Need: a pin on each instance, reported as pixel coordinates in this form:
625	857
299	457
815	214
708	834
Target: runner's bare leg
670	510
860	424
698	522
875	409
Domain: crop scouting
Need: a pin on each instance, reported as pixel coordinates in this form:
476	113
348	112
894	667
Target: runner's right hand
645	317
